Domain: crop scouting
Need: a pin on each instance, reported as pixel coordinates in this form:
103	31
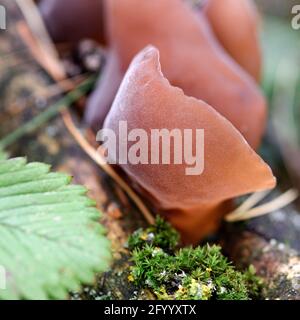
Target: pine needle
38	40
49	113
276	204
99	159
44	51
251	201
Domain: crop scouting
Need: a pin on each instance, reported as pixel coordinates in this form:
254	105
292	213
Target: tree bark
277	264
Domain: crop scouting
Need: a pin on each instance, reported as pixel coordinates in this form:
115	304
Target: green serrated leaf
3	154
51	241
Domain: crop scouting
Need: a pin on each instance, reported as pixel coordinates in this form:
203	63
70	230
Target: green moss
253	282
161	235
201	273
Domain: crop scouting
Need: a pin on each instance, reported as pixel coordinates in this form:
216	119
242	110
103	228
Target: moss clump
253	283
160	235
202	273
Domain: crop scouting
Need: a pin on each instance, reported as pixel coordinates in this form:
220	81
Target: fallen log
276	264
271	245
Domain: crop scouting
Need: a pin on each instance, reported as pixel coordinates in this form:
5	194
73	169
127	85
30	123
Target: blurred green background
281	82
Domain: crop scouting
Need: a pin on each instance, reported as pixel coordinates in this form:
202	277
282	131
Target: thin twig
275	204
36	23
49	60
63	86
54	68
41	45
251	201
99	159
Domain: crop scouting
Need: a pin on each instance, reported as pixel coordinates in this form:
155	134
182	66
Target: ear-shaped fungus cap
236	25
73	20
191	59
147	101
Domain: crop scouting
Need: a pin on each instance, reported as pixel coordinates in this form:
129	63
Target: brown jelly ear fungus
236	26
73	20
191	58
194	198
